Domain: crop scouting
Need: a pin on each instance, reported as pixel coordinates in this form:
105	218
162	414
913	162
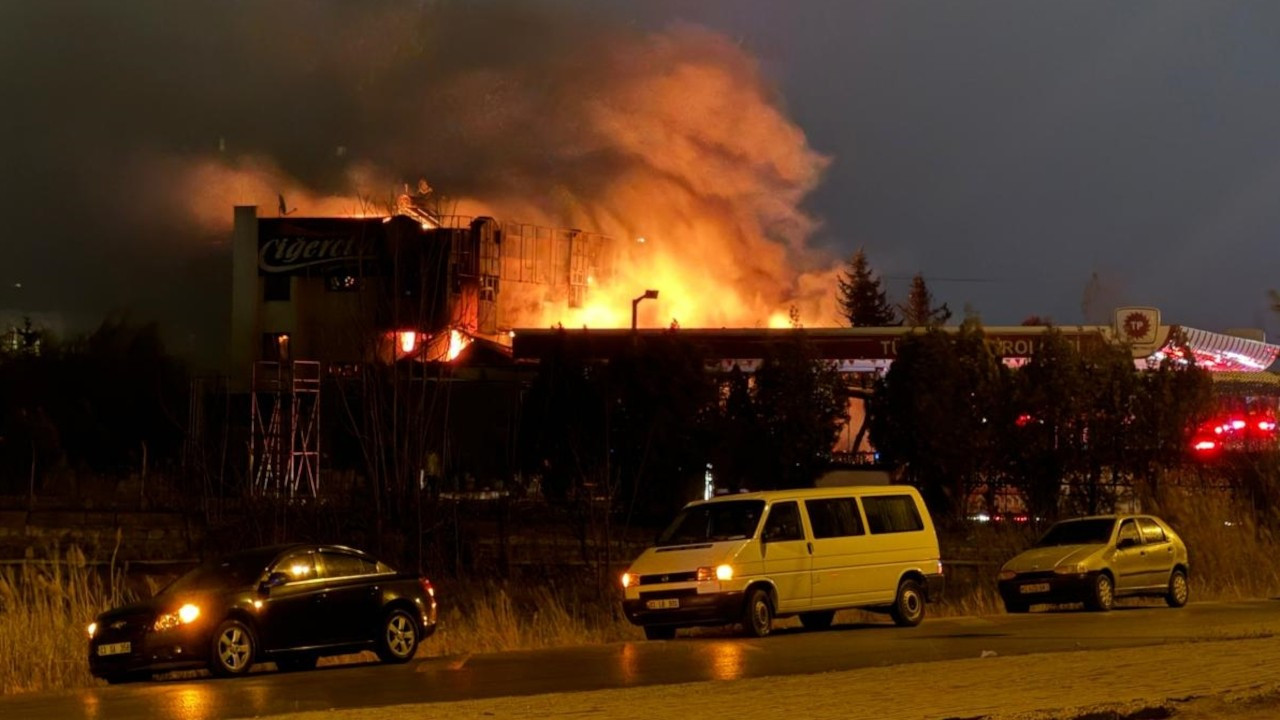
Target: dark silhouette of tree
919	310
1036	321
801	405
863	302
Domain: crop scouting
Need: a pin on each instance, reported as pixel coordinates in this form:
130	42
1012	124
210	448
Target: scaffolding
284	449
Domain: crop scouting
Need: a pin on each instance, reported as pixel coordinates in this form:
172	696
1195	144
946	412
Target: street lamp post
648	295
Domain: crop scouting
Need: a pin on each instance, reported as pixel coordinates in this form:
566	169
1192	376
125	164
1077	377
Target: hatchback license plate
114	648
1034	588
667	604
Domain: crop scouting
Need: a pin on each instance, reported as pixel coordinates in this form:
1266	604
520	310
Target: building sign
296	247
1138	325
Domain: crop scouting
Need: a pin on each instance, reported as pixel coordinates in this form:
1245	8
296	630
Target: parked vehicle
290	604
1095	560
750	558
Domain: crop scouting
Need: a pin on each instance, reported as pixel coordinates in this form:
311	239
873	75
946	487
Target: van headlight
719	572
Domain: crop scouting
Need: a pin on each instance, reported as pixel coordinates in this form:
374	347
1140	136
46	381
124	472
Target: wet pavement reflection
702	656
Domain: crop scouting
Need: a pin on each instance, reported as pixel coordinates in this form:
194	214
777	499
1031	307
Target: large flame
671	143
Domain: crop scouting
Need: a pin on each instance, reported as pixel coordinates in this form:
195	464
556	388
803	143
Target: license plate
667	604
1034	588
114	648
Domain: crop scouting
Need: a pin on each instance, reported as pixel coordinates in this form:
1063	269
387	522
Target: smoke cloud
137	127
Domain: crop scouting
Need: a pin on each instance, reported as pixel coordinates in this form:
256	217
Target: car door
839	549
349	603
1158	554
288	614
1129	563
787	555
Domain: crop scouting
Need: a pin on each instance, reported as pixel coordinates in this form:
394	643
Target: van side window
892	514
1151	531
836	517
783	523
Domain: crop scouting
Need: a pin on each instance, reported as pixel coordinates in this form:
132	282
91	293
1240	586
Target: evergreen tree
919	310
862	300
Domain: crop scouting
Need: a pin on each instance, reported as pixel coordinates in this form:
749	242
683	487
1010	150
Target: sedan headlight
1072	569
185	615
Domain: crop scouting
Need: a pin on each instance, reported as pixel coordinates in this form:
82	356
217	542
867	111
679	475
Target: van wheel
1179	591
757	614
817	620
659	632
908	607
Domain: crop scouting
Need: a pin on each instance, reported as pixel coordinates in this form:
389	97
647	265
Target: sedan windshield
735	520
1078	532
228	573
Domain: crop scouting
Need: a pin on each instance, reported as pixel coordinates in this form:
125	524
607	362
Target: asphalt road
685	659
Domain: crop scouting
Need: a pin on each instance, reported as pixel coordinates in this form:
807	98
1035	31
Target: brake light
428	588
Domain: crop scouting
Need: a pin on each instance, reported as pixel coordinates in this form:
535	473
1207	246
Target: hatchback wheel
399	638
908	607
1103	596
757	614
233	649
1179	590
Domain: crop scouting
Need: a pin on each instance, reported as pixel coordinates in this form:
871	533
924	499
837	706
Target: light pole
648	295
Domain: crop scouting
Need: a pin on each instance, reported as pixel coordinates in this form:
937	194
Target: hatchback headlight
185	615
1007	575
1072	569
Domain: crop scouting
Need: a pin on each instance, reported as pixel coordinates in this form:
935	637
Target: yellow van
752	557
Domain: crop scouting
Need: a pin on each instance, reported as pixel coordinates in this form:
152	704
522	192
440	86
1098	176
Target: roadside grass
46	604
45	608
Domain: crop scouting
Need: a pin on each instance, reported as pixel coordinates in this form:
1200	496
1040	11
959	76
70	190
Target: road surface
685	659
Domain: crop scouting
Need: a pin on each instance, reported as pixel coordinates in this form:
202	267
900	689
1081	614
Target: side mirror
275	579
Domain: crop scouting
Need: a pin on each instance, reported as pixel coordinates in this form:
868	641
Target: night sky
1006	150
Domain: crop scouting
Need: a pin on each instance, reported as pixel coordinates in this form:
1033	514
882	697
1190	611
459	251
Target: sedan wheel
233	648
1179	590
1104	596
399	638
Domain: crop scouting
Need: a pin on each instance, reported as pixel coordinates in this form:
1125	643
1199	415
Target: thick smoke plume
166	115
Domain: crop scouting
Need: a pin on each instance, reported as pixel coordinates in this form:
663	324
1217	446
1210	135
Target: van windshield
1078	532
734	520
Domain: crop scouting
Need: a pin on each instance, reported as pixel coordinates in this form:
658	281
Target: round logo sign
1136	325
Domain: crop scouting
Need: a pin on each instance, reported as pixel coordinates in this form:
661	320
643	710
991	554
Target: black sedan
290	604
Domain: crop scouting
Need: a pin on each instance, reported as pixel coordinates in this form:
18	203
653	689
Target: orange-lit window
275	347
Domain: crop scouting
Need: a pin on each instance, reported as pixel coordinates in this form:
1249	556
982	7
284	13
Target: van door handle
810	546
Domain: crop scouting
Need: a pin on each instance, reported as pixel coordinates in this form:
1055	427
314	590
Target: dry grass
45	606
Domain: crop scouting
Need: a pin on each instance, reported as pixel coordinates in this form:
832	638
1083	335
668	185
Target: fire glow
674	145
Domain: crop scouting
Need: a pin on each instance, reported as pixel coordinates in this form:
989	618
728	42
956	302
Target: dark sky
1007	150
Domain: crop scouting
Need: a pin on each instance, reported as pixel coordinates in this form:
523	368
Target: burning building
316	300
352	290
